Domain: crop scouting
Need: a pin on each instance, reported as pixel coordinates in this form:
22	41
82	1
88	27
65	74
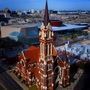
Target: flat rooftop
25	25
59	28
69	27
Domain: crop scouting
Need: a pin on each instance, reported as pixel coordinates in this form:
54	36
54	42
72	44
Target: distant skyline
40	4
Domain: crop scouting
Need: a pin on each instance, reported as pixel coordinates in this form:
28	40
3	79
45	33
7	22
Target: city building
3	19
82	51
42	66
27	33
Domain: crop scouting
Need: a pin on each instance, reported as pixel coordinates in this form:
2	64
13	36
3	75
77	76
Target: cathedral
41	65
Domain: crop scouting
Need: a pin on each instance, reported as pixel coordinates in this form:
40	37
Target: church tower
46	53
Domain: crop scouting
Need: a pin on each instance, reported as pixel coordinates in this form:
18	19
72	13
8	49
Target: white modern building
80	50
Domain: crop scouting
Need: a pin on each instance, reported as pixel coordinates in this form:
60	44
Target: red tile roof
32	53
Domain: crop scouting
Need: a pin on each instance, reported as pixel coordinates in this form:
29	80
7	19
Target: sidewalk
13	76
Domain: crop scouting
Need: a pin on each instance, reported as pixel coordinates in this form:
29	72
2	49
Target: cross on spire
46	15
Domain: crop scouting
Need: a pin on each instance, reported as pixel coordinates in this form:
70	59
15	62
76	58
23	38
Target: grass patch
34	87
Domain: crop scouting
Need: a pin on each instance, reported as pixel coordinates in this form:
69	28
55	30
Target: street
7	82
84	82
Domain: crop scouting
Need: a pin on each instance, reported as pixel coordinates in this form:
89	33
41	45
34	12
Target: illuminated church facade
41	65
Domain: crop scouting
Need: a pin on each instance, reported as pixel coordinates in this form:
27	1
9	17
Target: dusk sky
39	4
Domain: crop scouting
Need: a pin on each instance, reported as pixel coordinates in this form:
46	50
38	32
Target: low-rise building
27	34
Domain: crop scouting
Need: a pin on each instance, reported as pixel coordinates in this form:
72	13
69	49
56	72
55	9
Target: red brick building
56	23
41	66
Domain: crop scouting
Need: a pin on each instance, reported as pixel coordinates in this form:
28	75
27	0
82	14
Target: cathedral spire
46	15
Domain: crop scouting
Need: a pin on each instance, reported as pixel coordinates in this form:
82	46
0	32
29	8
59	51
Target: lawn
34	87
